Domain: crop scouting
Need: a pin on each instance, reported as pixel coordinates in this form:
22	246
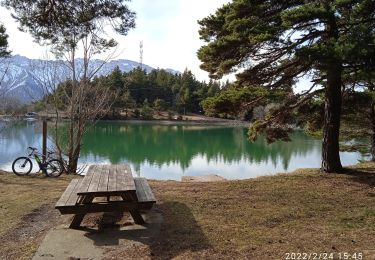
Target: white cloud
168	29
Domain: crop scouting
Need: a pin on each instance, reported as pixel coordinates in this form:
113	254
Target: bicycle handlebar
33	151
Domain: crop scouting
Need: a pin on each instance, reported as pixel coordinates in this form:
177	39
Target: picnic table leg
77	219
138	219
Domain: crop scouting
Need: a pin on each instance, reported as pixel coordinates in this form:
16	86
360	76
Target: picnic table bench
114	182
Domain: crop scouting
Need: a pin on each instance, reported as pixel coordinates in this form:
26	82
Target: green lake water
170	151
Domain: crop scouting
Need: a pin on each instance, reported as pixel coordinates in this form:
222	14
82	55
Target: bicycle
51	168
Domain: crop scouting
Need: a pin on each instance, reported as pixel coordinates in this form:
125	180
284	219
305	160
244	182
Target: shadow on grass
170	230
362	175
180	232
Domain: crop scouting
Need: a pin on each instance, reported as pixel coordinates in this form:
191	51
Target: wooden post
44	145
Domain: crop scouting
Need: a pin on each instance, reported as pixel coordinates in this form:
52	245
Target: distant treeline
139	91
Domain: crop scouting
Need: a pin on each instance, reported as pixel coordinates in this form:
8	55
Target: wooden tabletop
107	180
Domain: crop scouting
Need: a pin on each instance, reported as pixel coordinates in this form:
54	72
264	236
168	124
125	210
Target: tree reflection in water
160	145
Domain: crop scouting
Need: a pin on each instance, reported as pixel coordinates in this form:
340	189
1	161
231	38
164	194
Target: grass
25	207
262	218
20	195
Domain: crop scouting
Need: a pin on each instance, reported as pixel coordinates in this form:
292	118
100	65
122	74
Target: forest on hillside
138	93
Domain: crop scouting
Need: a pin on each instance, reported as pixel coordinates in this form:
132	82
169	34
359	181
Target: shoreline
180	122
214	177
209	121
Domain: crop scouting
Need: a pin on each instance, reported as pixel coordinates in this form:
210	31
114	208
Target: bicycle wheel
22	166
54	168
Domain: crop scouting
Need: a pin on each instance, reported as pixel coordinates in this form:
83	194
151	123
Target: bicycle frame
41	163
38	160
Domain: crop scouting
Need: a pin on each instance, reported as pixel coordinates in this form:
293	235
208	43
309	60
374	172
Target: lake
170	151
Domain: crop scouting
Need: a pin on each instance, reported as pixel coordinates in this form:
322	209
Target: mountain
23	78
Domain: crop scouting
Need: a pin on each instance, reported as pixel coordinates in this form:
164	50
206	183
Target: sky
168	30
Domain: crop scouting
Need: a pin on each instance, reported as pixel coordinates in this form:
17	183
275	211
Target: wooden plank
114	206
73	197
111	179
104	193
146	187
120	177
141	195
144	192
137	217
116	177
129	178
65	196
95	179
77	220
145	205
85	183
103	184
125	180
147	190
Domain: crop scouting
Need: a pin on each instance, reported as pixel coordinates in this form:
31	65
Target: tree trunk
372	119
73	164
73	160
333	98
71	116
331	127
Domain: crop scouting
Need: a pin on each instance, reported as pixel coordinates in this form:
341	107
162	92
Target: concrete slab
92	243
204	178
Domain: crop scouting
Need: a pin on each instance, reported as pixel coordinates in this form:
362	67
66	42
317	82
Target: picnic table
113	182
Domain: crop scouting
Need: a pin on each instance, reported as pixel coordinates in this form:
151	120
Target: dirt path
45	231
102	235
20	242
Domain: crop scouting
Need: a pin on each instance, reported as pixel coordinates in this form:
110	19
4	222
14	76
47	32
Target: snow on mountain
25	79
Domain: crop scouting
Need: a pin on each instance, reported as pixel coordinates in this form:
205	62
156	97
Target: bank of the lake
161	116
261	218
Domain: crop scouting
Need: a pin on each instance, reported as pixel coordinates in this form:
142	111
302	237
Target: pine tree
116	80
3	42
276	42
4	52
359	110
